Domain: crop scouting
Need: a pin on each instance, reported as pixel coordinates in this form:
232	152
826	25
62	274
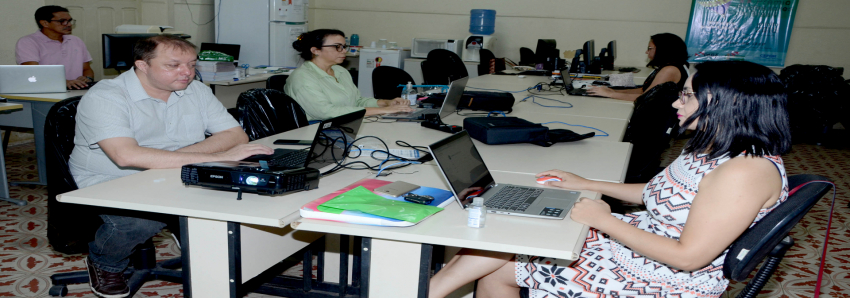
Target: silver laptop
449	103
464	170
32	78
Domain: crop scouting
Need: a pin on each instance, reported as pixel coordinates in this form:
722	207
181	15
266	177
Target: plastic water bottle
408	94
355	40
477	213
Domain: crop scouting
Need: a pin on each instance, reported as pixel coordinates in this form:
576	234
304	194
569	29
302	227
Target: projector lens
252	180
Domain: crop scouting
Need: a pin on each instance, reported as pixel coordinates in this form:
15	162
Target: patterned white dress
607	267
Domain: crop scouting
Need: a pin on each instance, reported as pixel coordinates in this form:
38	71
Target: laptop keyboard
414	114
293	159
513	198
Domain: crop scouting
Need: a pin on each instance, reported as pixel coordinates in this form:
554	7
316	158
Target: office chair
441	67
385	81
71	226
487	57
526	57
650	131
265	112
276	82
769	238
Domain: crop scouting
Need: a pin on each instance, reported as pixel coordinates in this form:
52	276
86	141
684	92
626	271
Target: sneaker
106	284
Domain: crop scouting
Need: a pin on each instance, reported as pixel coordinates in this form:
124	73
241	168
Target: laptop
449	104
571	90
464	170
32	78
329	146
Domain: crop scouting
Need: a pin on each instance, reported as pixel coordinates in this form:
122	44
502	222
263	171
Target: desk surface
48	97
249	79
6	106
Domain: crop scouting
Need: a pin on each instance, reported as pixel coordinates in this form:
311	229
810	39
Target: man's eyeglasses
339	47
683	95
65	22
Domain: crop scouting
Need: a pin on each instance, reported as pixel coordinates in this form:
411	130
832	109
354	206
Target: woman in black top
668	54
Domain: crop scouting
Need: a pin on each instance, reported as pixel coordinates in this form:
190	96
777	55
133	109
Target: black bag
512	130
478	101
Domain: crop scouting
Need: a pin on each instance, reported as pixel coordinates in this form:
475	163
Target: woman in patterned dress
728	177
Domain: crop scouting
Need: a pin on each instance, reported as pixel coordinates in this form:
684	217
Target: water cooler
482	24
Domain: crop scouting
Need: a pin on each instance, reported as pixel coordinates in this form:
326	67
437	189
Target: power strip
442	127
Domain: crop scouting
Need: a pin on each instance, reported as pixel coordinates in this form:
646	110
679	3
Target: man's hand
243	151
78	83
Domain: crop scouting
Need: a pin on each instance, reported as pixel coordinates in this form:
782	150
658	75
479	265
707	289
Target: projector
250	177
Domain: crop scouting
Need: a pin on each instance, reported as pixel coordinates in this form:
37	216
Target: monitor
546	48
608	54
587	52
118	49
229	49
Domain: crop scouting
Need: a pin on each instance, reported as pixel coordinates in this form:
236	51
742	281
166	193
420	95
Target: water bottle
409	95
477	213
355	40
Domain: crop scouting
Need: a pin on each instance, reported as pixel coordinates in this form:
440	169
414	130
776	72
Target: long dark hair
746	113
313	39
670	49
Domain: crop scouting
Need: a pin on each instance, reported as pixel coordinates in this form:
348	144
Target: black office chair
71	226
650	130
385	81
276	82
488	59
769	238
441	67
265	112
526	57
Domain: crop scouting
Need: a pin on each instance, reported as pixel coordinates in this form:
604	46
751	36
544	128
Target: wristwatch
90	79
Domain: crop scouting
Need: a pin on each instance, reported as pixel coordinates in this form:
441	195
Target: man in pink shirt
53	45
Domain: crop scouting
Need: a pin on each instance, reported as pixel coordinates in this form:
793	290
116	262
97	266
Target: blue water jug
355	40
482	21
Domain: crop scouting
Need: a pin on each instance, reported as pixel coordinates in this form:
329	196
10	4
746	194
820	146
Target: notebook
449	104
32	78
329	146
466	173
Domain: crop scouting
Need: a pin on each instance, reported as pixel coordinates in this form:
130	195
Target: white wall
821	31
17	18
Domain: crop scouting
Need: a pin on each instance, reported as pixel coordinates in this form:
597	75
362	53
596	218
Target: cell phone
418	199
293	142
397	188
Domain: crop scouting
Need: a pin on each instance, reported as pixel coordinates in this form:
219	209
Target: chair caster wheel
58	291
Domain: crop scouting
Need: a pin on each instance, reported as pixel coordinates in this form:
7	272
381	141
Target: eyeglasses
65	22
339	47
684	95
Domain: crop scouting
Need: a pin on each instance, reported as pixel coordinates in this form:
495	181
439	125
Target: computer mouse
544	179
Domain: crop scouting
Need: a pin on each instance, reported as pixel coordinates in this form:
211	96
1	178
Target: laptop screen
461	165
453	97
333	138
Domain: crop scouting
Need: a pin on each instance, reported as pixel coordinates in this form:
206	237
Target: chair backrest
276	82
650	126
385	81
441	67
526	56
759	240
69	226
264	112
487	57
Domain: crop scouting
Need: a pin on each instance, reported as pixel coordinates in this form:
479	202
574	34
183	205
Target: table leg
4	183
39	115
210	271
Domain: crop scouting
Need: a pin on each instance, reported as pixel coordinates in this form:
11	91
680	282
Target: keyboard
513	198
291	159
412	115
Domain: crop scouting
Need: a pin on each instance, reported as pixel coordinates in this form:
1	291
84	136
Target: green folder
363	200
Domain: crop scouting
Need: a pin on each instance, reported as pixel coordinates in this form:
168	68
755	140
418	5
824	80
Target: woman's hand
398	101
601	91
568	180
590	212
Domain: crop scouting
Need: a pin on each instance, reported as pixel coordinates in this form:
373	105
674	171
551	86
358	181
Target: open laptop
464	170
32	78
449	104
572	90
329	146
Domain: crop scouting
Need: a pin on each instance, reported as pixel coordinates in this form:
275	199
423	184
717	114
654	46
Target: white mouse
520	76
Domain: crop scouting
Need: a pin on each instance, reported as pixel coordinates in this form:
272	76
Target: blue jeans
117	238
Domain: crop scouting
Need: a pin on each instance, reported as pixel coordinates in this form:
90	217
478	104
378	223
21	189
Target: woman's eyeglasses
339	47
65	22
683	95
